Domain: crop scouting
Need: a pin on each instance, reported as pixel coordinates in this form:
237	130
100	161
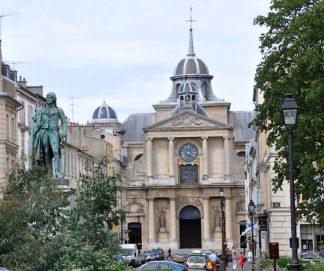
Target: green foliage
293	62
33	214
42	231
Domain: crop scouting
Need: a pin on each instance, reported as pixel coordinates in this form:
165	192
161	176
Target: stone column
149	145
206	220
229	222
226	156
171	156
173	220
151	220
205	157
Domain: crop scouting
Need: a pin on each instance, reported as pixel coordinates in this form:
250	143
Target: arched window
189	212
241	154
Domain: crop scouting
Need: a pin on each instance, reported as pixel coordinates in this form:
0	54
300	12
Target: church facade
180	159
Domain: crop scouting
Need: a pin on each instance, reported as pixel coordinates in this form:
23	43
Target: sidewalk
247	267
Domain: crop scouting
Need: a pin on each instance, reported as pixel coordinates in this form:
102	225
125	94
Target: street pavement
246	267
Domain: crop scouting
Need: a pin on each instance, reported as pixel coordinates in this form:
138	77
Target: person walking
169	254
234	260
241	260
213	259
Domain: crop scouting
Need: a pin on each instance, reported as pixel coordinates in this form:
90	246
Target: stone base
217	235
163	229
163	236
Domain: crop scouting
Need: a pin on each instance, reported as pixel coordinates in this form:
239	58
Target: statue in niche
218	221
162	222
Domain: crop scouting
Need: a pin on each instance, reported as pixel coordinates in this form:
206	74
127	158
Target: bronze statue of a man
46	135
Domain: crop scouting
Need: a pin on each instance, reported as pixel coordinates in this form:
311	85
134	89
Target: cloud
125	51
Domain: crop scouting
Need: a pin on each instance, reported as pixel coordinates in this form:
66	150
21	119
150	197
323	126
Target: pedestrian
241	260
169	254
234	260
249	256
213	259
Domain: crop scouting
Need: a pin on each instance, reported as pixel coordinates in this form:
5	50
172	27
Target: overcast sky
124	51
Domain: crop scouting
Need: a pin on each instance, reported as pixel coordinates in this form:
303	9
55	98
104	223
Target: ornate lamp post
222	196
251	209
289	110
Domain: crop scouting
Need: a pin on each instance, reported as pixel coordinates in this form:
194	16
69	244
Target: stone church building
179	159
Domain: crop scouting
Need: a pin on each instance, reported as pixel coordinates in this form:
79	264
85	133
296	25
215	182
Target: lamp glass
290	116
251	207
221	192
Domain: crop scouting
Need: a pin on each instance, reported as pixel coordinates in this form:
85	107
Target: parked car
160	253
196	262
180	257
161	265
142	258
308	256
153	255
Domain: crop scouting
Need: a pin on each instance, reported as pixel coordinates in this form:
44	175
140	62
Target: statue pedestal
163	236
218	235
162	229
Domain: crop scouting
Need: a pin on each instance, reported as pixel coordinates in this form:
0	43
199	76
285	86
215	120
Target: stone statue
46	136
162	220
218	221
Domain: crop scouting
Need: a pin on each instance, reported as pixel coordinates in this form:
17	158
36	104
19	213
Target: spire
191	51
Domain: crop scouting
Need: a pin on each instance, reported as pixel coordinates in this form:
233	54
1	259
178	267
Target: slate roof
134	125
240	121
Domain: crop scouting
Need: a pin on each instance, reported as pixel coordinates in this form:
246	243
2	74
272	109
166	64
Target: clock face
188	153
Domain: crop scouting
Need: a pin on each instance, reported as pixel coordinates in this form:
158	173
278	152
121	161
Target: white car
196	262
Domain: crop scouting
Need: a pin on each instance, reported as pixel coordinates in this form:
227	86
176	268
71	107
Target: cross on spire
191	51
190	20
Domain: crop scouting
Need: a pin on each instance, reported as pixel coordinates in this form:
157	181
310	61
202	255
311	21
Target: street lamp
251	209
289	110
222	196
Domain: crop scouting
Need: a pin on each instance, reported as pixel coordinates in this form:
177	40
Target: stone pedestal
218	236
163	236
162	229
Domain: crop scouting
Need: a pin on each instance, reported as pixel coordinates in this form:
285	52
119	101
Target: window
307	245
319	242
7	126
188	174
241	154
164	267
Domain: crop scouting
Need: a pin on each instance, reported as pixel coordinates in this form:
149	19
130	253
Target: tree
43	232
293	61
32	219
92	244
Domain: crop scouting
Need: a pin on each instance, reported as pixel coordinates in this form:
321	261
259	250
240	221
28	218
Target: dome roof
188	87
104	113
191	65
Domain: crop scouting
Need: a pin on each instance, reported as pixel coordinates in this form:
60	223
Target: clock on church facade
188	153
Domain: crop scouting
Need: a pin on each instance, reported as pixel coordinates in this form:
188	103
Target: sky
124	51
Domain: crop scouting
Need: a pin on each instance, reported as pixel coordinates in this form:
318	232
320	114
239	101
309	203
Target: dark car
180	257
161	266
142	258
153	255
160	253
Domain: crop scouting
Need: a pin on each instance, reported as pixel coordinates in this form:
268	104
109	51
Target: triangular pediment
187	119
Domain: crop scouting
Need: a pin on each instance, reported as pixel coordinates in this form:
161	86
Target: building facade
272	218
179	158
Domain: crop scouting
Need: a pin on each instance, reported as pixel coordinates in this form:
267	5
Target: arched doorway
135	234
190	227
